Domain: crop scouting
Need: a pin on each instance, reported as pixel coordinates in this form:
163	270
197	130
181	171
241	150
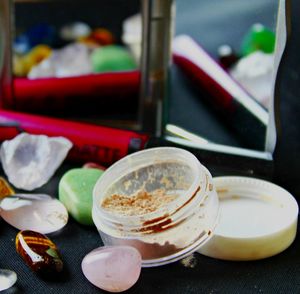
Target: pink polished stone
112	268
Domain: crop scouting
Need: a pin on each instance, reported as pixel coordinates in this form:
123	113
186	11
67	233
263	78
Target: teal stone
257	38
76	192
112	58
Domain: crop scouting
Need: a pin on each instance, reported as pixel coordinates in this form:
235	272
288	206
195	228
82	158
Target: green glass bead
257	38
75	192
112	58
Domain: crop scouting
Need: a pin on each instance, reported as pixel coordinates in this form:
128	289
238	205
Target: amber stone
5	188
39	252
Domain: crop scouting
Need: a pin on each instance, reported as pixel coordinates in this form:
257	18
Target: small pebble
75	30
98	37
76	192
7	279
227	57
35	35
39	253
24	64
112	58
258	38
114	269
94	165
5	188
37	212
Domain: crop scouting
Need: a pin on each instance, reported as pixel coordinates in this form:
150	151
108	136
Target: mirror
200	113
240	37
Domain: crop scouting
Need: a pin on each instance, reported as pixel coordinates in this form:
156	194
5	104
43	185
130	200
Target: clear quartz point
7	279
29	161
36	212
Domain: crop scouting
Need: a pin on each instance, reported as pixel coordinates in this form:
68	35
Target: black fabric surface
278	274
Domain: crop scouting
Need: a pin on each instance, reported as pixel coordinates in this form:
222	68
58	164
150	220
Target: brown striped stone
39	252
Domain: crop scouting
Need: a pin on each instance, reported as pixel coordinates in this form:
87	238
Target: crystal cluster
30	160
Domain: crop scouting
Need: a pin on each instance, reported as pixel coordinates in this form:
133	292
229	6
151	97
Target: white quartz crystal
255	73
29	161
72	60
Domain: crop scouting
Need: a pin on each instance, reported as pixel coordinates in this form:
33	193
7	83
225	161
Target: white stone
112	268
74	31
7	279
36	212
255	73
29	161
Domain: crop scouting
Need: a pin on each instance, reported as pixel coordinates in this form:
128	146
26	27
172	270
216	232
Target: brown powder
189	261
139	203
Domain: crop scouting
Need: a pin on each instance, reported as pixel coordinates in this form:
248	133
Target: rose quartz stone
112	268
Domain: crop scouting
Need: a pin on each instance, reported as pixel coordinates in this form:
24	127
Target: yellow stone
5	189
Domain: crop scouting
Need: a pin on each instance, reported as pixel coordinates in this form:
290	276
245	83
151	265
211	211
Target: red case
56	94
95	143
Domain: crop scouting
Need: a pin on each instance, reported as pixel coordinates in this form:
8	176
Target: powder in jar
141	202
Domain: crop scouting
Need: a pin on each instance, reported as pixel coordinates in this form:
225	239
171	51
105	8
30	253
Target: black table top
278	274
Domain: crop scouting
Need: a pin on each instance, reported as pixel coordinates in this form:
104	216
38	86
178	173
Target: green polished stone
112	58
257	38
75	192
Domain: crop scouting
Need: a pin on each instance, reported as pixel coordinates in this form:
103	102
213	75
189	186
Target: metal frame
6	85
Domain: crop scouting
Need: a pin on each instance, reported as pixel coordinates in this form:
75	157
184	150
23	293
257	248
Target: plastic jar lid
258	219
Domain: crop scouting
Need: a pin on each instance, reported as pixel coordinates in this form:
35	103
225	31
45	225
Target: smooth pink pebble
112	268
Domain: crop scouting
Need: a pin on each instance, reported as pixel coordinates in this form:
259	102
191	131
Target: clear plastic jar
175	229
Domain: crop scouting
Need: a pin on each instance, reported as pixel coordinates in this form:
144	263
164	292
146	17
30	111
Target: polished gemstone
73	31
5	188
29	161
258	38
114	269
39	252
112	58
93	165
37	212
23	64
99	36
76	192
227	57
7	279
